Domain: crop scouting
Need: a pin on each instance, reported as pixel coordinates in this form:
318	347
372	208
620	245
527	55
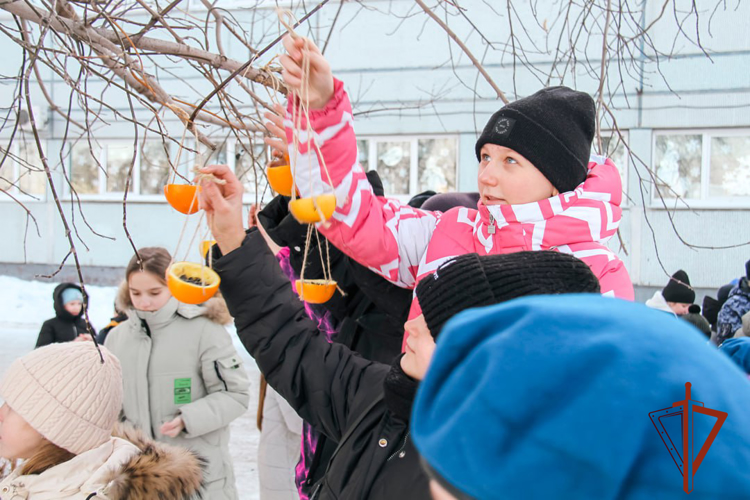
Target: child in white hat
61	405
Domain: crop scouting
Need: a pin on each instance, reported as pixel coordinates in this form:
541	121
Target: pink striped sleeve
384	235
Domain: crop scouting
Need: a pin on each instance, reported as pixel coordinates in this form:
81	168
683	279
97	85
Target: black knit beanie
678	289
472	281
553	129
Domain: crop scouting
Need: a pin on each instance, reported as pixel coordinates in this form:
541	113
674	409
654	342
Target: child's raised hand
223	206
275	126
319	79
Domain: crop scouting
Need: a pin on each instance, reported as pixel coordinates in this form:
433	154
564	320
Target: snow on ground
25	305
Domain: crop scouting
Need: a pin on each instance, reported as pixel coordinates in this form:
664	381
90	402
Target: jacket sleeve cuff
216	251
338	98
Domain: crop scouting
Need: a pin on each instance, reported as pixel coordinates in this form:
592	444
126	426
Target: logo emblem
503	126
688	461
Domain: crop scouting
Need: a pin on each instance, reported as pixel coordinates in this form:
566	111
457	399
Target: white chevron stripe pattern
582	254
363	186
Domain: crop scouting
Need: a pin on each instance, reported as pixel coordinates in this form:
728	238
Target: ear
555	192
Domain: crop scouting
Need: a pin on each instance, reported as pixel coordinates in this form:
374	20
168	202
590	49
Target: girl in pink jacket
539	186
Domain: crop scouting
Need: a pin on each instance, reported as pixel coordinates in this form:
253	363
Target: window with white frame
101	169
614	147
21	171
411	165
709	165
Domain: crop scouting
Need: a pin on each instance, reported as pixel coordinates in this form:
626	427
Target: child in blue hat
69	323
555	397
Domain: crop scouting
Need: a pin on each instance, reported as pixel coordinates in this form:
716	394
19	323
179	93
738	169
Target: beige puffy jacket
129	467
180	360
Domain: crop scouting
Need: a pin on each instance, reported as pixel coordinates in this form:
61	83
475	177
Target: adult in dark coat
64	327
368	318
363	405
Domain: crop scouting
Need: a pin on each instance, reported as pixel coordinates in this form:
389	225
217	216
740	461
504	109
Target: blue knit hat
71	294
549	397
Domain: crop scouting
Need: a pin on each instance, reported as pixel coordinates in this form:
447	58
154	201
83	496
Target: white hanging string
302	102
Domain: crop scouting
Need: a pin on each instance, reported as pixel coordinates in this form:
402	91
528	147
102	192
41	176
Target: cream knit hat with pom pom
66	393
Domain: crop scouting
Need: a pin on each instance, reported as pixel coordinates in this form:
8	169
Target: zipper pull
317	490
491	227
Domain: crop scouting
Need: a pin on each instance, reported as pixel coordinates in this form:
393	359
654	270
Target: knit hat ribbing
553	129
66	393
472	281
678	289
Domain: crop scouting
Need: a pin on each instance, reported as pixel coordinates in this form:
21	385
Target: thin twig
500	94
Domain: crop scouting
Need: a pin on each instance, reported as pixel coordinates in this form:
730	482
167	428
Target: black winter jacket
337	391
368	318
64	327
370	315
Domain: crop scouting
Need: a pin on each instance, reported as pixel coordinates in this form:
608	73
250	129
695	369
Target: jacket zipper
403	445
317	490
145	326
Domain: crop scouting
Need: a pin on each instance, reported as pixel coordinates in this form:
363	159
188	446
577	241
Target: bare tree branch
428	11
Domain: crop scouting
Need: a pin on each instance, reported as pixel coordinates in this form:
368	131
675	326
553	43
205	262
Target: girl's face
17	438
147	291
74	307
419	348
679	308
507	178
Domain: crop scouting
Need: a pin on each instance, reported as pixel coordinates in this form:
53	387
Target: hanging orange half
182	197
315	291
192	283
308	210
280	178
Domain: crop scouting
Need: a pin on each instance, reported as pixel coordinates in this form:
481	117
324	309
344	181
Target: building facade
681	140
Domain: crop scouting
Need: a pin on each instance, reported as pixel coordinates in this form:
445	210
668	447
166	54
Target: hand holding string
223	206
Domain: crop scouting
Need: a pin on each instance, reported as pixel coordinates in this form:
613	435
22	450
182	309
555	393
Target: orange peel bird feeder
315	291
183	197
190	282
313	210
279	175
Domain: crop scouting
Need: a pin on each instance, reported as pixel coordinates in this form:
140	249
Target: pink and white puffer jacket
404	244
